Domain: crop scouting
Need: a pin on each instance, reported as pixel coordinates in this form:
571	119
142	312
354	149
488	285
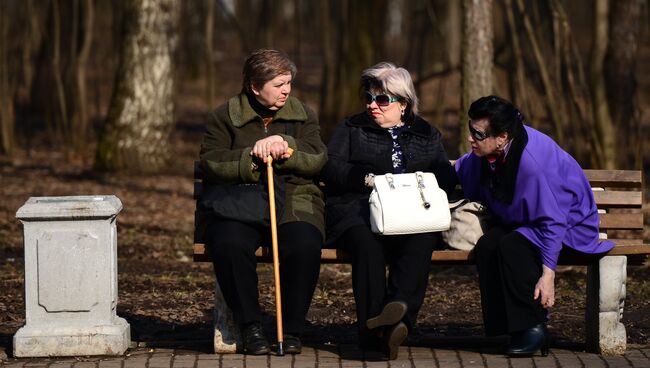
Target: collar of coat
241	112
418	127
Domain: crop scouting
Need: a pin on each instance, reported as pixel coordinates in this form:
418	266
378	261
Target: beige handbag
408	204
469	220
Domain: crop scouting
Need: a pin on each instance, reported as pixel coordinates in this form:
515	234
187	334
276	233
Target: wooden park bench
618	195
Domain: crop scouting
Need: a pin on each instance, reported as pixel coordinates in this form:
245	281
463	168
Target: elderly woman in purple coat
545	207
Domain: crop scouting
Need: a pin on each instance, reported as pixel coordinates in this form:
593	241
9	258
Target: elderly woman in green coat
262	121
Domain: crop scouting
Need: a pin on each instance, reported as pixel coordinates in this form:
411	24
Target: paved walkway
339	356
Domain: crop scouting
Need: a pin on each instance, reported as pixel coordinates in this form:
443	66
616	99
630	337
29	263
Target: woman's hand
545	287
274	146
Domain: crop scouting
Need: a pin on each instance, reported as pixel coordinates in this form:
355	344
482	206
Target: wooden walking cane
274	246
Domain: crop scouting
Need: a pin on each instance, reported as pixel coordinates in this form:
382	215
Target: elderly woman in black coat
387	137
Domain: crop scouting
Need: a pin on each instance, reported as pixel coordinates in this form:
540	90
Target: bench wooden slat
629	221
619	199
614	178
628	242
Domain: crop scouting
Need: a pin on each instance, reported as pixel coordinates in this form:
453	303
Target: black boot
253	339
526	343
292	344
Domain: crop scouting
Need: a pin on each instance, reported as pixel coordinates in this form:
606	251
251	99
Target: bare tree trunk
453	32
79	134
209	49
297	32
7	116
327	107
58	127
602	118
554	106
242	27
620	66
354	47
477	59
141	112
31	45
520	95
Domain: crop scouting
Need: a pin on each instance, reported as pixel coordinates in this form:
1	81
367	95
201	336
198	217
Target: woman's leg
520	267
232	245
299	245
368	276
489	276
409	257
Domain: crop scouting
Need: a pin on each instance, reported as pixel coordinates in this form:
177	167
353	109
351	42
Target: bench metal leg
226	333
605	334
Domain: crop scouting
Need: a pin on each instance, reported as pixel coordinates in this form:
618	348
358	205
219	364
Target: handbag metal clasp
420	180
391	182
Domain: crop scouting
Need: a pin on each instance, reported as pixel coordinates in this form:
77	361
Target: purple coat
553	203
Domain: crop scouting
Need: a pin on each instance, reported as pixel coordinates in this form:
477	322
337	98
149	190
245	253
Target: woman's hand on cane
274	146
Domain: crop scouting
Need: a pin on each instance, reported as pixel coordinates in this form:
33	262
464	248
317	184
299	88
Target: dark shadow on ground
6	344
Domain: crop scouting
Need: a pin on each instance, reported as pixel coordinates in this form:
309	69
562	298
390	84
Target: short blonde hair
393	80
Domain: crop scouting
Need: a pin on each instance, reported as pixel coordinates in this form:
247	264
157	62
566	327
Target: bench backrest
618	195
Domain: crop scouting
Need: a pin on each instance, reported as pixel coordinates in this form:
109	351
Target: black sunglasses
477	134
382	99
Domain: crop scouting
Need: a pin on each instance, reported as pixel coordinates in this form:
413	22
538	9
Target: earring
403	112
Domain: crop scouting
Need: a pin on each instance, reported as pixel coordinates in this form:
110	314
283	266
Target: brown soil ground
167	299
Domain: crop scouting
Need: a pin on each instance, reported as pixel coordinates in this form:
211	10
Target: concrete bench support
71	278
605	334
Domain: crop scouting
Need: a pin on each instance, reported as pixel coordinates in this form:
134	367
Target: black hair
501	113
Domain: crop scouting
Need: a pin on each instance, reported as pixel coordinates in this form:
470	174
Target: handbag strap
390	180
420	180
419	177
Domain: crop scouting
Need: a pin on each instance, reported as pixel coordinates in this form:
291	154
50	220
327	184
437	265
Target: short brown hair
263	65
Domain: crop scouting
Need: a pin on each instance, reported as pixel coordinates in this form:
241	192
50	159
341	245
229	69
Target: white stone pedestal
71	278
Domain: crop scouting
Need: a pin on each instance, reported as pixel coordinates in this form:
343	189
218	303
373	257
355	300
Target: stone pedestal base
44	341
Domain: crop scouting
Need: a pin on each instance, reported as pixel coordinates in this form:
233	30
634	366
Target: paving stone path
339	356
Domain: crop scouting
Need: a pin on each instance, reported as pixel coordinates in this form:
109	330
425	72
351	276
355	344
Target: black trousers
409	260
509	266
232	246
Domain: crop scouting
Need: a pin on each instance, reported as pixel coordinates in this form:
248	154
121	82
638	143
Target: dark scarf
501	181
261	110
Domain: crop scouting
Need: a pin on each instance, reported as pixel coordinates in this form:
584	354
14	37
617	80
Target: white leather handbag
408	204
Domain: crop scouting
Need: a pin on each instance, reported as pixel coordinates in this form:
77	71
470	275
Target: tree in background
7	116
626	25
21	36
59	87
352	36
604	128
141	112
477	59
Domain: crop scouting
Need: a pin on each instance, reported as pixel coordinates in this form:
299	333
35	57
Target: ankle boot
253	339
526	343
